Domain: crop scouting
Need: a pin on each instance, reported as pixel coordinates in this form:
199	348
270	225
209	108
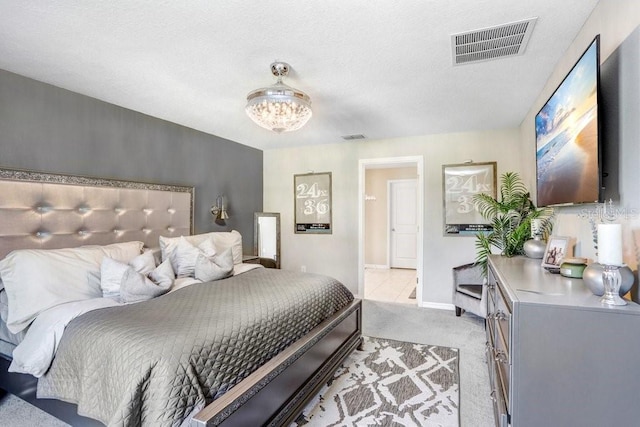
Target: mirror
266	238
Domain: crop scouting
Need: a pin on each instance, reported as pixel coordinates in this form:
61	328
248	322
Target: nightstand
250	259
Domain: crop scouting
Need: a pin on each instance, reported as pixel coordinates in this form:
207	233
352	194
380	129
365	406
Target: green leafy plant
510	217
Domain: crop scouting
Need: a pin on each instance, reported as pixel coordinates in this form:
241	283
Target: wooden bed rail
276	393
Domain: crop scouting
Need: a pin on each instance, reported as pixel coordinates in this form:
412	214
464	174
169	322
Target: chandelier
279	107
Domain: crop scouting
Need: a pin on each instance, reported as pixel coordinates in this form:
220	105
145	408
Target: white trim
377	266
438	305
409	161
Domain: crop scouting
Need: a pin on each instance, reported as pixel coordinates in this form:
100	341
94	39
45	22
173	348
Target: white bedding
38	348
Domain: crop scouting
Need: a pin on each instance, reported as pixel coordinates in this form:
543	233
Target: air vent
352	137
492	43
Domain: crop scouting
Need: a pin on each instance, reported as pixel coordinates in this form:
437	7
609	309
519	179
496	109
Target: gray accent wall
49	129
620	92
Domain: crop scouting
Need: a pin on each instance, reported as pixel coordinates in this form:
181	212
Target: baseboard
378	266
438	305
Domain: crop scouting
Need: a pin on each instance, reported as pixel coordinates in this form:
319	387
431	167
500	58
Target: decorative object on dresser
557	356
557	249
510	217
535	247
279	107
573	267
610	257
469	290
604	214
592	277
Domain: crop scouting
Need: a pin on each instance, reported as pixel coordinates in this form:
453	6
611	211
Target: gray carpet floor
385	320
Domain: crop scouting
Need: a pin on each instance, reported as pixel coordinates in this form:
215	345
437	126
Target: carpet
389	383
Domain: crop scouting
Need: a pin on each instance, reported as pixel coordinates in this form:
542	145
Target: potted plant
510	217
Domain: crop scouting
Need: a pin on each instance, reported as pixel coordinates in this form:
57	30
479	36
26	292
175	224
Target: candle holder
611	280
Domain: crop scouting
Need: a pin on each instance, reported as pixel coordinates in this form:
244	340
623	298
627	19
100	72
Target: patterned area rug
390	383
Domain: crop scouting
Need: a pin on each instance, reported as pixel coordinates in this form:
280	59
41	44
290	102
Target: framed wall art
459	184
312	200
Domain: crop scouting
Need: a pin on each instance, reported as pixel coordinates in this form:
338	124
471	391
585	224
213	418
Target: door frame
392	162
390	225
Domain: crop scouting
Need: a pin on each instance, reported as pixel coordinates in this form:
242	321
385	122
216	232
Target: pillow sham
38	279
221	241
214	268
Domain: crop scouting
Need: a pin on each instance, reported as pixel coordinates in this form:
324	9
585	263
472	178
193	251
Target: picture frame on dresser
558	247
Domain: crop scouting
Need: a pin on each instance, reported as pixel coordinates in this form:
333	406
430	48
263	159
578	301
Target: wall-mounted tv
568	136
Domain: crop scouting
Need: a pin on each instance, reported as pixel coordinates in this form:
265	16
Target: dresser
556	356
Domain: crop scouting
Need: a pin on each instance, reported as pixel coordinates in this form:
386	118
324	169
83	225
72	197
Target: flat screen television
568	137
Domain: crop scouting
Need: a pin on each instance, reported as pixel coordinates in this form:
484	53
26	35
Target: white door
403	216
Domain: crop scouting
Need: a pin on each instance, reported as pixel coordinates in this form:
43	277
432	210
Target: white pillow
111	275
221	241
184	258
144	263
208	248
231	239
215	268
38	279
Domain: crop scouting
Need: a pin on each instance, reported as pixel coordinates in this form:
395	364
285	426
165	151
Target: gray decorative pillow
214	268
163	274
123	283
137	287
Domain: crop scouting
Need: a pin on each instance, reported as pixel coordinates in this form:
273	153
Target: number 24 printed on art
312	193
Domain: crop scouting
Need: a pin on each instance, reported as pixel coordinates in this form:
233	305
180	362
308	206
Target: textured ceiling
379	68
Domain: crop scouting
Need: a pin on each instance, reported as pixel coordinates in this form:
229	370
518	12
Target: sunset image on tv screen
567	137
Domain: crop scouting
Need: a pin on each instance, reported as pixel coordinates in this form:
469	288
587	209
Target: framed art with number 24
312	200
459	184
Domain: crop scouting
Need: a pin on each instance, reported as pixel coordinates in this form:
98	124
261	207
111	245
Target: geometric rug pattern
389	383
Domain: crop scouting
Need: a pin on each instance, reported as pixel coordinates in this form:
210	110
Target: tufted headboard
50	211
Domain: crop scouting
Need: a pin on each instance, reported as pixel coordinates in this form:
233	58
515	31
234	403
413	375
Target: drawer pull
500	315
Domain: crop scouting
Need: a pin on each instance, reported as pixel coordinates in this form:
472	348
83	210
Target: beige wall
337	254
376	212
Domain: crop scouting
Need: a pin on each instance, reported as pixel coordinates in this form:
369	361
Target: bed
49	211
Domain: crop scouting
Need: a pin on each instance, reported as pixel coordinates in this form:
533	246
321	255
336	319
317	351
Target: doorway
381	266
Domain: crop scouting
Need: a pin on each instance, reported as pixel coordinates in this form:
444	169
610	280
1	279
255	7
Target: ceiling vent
492	43
352	137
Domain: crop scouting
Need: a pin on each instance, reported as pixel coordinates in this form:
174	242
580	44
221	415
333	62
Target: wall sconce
219	210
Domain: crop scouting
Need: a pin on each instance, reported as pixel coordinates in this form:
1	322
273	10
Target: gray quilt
156	362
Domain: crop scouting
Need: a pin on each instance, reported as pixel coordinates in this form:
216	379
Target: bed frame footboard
275	394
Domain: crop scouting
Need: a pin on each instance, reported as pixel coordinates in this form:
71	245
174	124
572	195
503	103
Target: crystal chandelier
279	107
